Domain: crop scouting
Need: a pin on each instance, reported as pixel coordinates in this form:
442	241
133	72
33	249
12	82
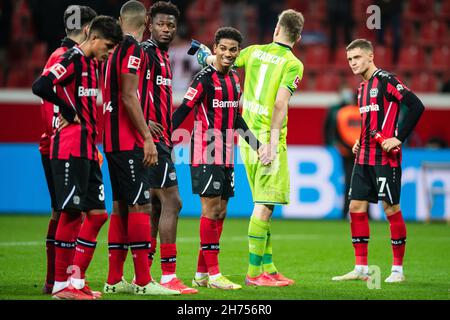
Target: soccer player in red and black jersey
214	95
377	169
74	158
129	149
166	202
50	113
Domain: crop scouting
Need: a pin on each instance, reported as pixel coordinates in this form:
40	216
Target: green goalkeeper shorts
269	184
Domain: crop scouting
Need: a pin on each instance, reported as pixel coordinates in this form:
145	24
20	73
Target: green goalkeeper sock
257	236
268	265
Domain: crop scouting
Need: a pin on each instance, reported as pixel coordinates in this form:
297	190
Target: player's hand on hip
150	152
64	123
355	148
263	154
390	143
156	129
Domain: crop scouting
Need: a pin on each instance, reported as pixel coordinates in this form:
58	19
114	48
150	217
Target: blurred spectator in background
391	13
184	66
5	27
340	18
436	143
342	129
268	11
233	14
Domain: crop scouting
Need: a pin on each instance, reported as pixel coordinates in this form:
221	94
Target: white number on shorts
382	180
101	195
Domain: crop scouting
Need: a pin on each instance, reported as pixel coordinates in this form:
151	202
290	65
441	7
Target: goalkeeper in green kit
272	74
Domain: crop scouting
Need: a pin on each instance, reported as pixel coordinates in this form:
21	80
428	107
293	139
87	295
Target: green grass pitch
310	252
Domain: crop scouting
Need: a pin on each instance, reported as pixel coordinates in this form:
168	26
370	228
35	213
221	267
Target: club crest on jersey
134	62
58	70
190	94
399	87
373	92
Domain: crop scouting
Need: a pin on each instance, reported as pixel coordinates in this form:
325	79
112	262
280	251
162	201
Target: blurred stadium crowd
414	36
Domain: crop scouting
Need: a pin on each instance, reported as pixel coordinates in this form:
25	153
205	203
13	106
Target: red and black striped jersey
215	99
76	76
379	101
119	132
159	89
49	111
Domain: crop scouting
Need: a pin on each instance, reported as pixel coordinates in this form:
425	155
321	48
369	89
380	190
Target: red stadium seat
383	57
23	77
411	58
340	60
363	32
419	10
353	80
444	10
329	81
316	57
39	55
359	10
440	59
433	33
424	82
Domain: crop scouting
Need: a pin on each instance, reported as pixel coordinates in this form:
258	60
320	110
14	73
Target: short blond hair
292	21
360	43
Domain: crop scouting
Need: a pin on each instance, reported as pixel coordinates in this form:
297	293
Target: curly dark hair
228	33
108	28
166	7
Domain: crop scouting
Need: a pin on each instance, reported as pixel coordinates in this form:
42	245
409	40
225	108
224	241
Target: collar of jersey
77	48
283	45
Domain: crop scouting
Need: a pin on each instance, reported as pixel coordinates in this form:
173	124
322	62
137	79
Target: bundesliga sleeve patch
58	70
191	93
296	82
134	62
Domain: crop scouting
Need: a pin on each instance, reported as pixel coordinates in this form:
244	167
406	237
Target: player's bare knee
358	206
390	209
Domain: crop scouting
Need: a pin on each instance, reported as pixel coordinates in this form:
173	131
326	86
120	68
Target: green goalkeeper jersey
267	68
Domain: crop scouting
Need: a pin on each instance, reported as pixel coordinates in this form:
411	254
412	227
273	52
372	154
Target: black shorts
374	183
163	175
46	164
78	184
129	176
212	181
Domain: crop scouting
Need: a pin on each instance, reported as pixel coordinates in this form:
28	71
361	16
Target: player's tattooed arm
156	129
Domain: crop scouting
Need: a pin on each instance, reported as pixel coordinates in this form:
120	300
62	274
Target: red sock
360	236
398	237
65	237
139	242
209	241
50	249
154	243
86	242
117	247
168	258
201	264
